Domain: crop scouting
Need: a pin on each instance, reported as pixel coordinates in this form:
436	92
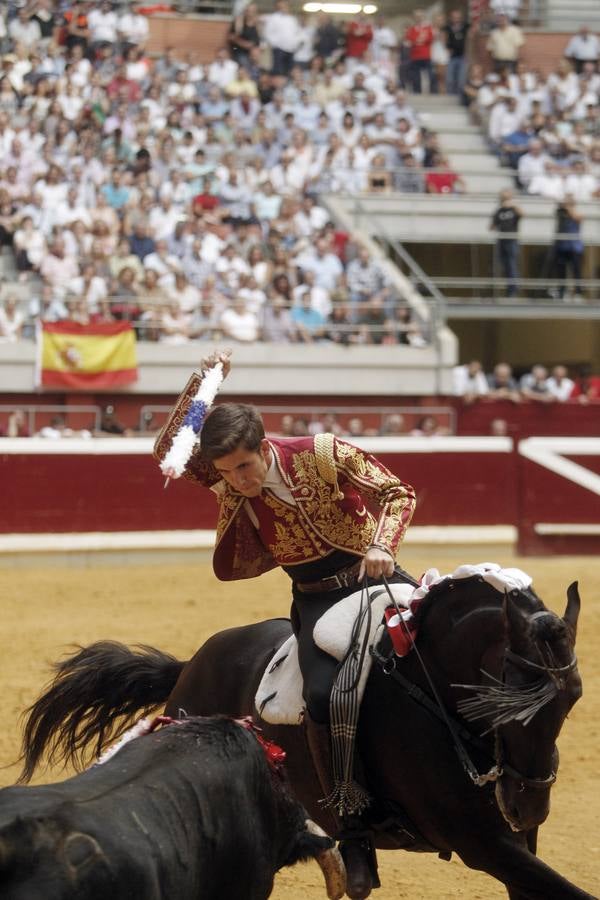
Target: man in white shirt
469	381
505	119
133	29
102	23
550	183
559	384
532	163
25	31
282	32
583	47
581	183
222	71
238	323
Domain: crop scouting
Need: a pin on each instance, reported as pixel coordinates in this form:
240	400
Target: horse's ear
517	624
573	606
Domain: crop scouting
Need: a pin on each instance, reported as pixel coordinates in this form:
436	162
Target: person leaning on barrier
324	511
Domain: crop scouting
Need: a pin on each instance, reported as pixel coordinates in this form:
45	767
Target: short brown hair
229	426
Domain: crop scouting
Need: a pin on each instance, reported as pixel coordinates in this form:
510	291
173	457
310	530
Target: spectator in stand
244	35
443	180
393	426
587	386
16	425
46	306
133	30
102	22
505	43
359	36
340	328
11	320
532	164
329	40
456	31
109	423
534	385
277	325
281	31
474	82
568	245
309	322
559	383
502	385
440	54
364	279
238	323
583	47
469	381
327	423
505	220
418	37
24	30
429	426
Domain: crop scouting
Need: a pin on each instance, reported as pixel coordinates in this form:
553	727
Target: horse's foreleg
531	838
525	876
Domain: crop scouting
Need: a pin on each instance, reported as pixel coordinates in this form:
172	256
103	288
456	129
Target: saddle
279	699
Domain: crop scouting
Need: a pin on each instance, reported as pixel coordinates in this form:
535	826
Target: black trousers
319	668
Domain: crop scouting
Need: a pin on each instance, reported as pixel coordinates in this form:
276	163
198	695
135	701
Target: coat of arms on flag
75	356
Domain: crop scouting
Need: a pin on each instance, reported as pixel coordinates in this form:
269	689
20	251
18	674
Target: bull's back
223	676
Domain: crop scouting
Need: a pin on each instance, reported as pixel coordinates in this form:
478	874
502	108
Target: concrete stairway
568	15
463	144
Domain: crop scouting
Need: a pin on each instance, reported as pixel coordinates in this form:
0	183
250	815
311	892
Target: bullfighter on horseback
329	514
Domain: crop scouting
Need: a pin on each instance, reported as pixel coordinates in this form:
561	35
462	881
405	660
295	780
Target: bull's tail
94	696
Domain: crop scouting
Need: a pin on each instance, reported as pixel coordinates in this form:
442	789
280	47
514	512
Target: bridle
557	674
461	735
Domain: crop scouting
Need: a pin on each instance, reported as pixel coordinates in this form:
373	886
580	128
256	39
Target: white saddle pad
279	697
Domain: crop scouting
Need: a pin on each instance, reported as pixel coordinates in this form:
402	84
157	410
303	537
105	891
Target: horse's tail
91	690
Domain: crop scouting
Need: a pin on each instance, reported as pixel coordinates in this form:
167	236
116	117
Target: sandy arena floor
176	607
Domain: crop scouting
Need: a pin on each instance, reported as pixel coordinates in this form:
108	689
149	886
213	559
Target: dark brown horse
505	660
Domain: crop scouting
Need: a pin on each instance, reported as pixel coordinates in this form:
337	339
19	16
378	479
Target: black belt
347	577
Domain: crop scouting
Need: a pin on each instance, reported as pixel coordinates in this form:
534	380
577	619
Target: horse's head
540	684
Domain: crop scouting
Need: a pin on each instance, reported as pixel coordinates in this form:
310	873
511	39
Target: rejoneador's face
245	470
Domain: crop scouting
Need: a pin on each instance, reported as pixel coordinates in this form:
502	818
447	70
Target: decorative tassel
184	442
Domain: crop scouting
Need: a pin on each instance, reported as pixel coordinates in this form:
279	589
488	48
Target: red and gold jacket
345	499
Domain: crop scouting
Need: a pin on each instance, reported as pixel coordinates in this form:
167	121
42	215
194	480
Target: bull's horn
332	865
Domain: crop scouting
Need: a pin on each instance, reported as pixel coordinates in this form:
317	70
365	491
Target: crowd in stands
185	198
547	129
538	385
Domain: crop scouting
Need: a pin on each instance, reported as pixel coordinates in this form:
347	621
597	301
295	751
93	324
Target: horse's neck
464	633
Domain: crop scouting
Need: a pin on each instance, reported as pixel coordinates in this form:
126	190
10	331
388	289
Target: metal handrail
448	412
437	308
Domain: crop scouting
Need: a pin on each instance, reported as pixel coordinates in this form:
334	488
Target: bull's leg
525	876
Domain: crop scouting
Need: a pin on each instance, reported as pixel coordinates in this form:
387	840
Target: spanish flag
81	357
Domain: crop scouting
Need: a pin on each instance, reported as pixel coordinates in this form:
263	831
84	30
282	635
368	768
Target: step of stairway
463	143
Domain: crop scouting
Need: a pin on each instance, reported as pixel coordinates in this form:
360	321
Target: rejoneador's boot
358	853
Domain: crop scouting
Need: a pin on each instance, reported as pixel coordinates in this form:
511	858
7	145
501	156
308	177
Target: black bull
191	811
412	768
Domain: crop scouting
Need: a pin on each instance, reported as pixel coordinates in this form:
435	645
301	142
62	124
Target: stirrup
360	860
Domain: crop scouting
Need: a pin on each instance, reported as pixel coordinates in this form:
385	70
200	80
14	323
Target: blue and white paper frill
185	440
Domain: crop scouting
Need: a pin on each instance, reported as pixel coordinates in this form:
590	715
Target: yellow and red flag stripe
75	356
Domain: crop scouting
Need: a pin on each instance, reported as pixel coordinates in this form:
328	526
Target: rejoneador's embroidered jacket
367	505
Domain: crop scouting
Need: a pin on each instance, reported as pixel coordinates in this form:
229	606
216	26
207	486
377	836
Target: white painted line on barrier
143	446
550	453
204	539
557	528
